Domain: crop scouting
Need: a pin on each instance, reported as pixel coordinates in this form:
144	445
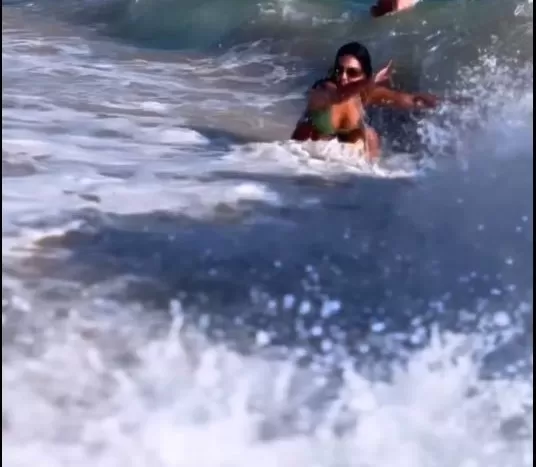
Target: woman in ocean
336	104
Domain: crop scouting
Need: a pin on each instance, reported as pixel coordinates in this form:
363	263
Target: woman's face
348	70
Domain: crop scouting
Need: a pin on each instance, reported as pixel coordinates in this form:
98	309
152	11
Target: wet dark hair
359	52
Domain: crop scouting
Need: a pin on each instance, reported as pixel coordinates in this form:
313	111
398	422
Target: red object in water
384	7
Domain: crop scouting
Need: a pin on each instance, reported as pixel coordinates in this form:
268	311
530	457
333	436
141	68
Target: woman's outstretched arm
386	97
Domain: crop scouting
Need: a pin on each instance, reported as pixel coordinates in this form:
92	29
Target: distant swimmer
384	7
336	104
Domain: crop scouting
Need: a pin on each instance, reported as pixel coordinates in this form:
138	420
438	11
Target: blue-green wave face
430	43
204	24
309	31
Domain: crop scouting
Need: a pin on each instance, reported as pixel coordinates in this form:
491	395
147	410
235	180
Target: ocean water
183	286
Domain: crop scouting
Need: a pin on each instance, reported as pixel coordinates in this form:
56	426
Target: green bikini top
321	119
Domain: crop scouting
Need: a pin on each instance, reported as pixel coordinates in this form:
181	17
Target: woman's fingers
385	73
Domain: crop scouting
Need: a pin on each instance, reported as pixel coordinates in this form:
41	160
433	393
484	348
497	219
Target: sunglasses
350	72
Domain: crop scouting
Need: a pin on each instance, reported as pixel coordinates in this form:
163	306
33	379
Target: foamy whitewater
183	286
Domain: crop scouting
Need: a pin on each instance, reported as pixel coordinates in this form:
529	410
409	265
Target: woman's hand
425	101
385	74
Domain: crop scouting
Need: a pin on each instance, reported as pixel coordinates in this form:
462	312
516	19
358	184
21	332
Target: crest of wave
490	114
102	392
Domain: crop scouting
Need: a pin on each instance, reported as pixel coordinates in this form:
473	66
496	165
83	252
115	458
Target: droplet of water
288	301
378	327
305	308
502	319
329	308
262	338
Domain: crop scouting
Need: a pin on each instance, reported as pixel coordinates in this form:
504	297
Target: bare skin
346	99
384	7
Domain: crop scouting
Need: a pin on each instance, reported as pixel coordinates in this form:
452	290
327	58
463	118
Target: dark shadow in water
357	241
226	137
